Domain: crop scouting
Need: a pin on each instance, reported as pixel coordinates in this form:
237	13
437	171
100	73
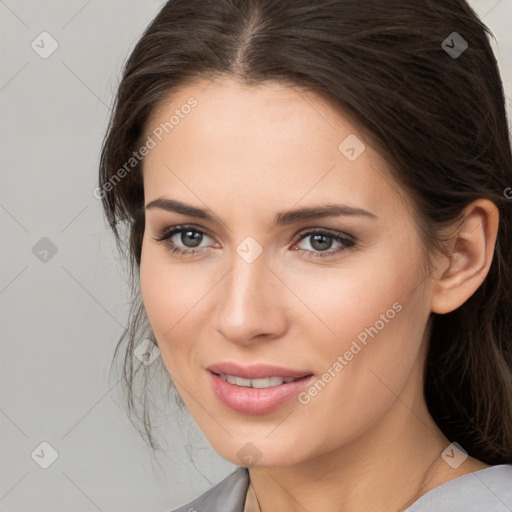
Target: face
335	301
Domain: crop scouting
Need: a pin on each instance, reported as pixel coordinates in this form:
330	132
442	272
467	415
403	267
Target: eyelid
171	230
347	241
309	231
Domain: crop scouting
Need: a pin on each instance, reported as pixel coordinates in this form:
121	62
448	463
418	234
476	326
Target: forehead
262	142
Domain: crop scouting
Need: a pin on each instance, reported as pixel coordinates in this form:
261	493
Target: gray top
487	490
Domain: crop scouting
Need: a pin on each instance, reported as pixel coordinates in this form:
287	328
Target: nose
250	303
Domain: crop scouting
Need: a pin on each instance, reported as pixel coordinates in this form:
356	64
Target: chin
258	453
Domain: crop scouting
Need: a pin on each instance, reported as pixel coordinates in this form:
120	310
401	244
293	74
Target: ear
471	249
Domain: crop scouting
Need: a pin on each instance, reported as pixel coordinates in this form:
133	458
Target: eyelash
167	234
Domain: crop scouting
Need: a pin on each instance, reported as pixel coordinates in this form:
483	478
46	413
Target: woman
318	203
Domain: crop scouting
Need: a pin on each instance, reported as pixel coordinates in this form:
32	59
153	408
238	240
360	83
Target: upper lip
256	371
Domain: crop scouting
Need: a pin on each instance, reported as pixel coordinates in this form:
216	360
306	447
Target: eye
321	241
189	237
186	241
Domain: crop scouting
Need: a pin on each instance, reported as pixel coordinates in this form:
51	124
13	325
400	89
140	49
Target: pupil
195	238
319	242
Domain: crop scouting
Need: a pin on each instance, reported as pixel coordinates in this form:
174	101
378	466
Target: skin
366	441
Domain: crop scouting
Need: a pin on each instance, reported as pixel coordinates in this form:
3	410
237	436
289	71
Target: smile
257	396
257	383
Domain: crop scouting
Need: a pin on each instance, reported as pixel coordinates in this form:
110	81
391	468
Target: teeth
256	383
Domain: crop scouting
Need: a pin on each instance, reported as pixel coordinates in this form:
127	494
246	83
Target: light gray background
61	319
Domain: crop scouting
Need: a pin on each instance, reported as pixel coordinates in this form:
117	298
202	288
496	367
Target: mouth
261	383
258	389
256	372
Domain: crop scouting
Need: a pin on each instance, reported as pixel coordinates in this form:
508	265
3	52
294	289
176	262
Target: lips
249	400
256	371
245	398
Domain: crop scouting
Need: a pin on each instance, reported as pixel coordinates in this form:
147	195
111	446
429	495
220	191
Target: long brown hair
421	80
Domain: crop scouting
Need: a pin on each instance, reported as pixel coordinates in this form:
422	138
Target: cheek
372	315
365	297
172	293
156	293
162	292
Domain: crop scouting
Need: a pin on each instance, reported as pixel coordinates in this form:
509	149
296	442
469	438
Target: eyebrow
281	218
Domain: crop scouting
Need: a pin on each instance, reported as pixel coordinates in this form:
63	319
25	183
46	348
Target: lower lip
256	400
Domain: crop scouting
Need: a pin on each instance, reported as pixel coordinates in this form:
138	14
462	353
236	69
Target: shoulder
489	489
227	496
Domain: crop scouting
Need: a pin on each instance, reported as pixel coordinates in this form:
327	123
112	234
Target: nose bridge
248	305
245	286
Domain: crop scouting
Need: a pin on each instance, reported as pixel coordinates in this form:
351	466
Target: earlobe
472	249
